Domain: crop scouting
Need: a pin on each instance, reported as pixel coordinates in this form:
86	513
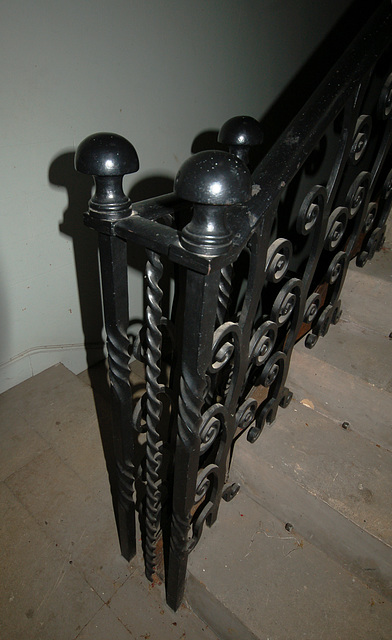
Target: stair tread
379	267
341	396
357	350
59	407
348	472
364	555
366	299
359	344
276	582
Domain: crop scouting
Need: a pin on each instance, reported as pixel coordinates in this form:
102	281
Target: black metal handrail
257	262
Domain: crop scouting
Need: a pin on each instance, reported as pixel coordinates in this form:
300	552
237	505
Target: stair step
60	409
341	396
366	299
351	474
358	351
360	343
380	266
364	555
277	583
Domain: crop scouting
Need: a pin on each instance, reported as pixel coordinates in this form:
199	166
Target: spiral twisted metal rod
224	293
192	392
126	482
154	270
117	345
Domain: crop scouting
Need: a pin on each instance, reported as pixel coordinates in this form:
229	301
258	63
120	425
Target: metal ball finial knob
240	134
211	180
107	157
213	177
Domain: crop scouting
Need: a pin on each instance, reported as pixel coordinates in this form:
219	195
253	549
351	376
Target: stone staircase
303	551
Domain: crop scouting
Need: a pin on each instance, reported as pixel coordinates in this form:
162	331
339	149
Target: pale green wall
156	72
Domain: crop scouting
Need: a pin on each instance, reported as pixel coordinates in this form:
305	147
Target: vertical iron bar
224	293
154	443
113	260
108	157
199	320
211	181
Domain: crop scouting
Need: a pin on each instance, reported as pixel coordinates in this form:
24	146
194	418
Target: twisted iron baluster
115	292
222	304
126	483
192	391
224	293
154	270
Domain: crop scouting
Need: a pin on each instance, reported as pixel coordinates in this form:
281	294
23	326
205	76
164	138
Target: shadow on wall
306	81
78	186
289	102
150	188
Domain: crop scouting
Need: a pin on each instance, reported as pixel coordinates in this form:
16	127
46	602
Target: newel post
212	181
108	157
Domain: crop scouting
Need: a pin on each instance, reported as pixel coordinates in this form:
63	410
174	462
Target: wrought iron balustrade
257	262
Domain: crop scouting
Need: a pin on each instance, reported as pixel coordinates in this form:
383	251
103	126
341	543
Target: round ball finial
106	154
211	180
107	157
240	134
213	177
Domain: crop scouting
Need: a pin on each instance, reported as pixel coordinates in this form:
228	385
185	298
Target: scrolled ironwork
336	227
278	259
370	216
262	342
223	347
270	370
203	482
361	138
213	422
286	301
336	266
385	201
312	307
246	414
357	192
384	105
311	209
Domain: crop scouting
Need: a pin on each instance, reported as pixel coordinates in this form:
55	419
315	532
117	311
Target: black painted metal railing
258	261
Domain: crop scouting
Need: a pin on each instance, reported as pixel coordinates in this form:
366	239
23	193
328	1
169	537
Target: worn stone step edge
225	624
363	555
